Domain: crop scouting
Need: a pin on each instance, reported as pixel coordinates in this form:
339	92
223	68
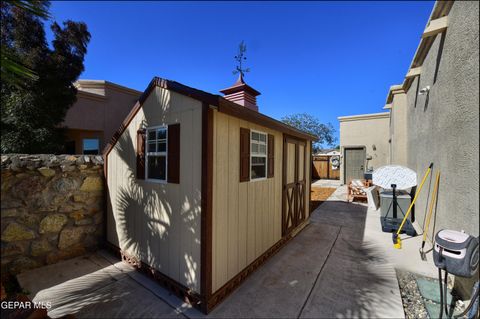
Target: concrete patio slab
92	287
280	288
327	183
336	267
357	280
407	259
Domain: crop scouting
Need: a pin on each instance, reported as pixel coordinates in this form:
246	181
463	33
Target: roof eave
222	105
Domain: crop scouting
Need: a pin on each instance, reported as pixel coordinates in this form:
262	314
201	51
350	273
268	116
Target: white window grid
157	141
261	145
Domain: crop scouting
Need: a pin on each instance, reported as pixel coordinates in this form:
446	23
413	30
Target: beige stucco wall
366	130
398	130
443	126
159	223
101	108
247	216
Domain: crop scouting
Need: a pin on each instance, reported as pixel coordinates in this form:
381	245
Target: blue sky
324	58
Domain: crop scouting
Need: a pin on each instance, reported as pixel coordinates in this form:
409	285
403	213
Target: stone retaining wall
51	208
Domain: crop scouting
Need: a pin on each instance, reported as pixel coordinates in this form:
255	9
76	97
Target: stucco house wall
99	110
443	126
370	131
398	129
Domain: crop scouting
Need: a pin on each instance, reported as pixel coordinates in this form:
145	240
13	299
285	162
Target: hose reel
456	253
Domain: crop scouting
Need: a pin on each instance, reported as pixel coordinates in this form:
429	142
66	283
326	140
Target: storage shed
202	189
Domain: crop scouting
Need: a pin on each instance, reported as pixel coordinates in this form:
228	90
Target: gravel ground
413	304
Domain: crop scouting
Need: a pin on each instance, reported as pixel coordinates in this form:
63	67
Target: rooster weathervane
240	58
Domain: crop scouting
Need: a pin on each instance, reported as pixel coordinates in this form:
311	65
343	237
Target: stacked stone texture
51	208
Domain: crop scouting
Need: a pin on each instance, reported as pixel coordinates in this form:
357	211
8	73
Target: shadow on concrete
92	287
328	270
356	280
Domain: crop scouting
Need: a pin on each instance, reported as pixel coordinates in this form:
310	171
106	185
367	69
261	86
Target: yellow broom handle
415	198
432	203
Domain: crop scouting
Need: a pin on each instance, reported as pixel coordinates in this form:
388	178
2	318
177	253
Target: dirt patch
318	195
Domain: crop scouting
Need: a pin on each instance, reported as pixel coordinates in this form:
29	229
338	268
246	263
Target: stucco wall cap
394	89
102	84
362	117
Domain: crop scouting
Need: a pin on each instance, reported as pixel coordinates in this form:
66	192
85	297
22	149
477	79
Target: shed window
258	155
157	153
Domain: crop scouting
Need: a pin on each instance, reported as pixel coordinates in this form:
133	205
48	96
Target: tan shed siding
247	215
159	223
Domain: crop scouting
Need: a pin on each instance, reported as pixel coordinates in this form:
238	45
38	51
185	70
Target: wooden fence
322	168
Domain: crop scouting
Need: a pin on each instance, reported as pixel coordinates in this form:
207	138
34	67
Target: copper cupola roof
241	93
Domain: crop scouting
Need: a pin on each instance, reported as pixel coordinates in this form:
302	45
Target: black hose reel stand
456	253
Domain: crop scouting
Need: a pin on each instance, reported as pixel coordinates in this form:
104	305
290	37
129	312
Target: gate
322	168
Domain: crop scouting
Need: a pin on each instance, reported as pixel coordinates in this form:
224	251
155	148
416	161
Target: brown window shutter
271	156
244	154
141	154
173	154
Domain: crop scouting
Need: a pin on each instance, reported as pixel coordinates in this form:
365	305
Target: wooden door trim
295	190
206	236
295	219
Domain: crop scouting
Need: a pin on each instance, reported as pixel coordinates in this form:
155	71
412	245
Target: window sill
258	179
156	181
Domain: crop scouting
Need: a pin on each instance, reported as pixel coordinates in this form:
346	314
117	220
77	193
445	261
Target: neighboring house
364	144
434	117
202	190
328	152
100	108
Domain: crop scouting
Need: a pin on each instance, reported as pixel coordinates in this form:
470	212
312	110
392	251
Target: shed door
354	159
294	184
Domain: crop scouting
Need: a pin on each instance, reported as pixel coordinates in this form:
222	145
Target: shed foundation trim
184	293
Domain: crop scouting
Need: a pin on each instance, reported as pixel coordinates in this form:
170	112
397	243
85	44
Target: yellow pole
397	242
432	203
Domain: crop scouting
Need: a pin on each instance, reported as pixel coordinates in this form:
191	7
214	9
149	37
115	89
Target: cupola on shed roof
243	94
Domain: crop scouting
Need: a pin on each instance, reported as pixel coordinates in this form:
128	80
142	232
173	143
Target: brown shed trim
271	156
140	154
206	206
246	114
173	153
244	168
121	129
222	104
310	162
184	293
